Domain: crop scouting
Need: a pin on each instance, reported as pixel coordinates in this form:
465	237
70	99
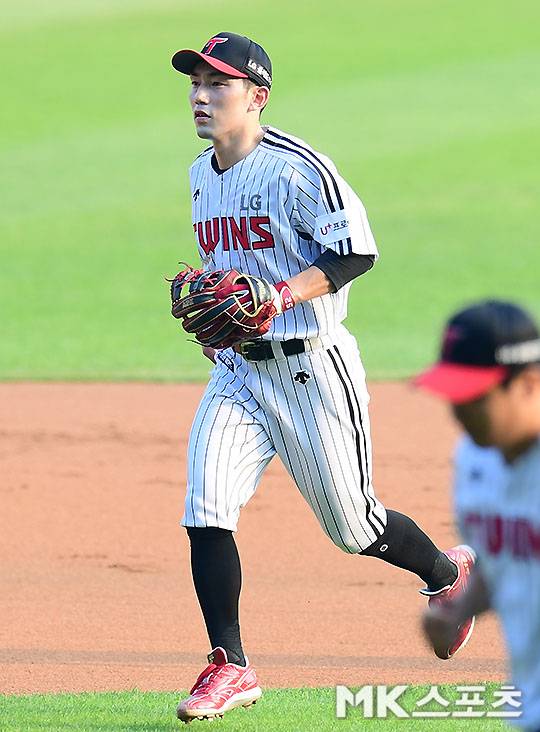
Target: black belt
264	350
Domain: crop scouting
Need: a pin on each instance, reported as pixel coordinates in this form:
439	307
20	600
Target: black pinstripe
321	441
314	165
255	476
299	455
223	400
299	415
311	213
306	194
259	170
250	469
295	311
344	441
359	435
286	143
214	396
364	438
329	201
223	433
315	162
286	200
257	368
274	179
325	167
216	392
233	442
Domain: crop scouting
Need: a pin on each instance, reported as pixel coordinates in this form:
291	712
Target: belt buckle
244	348
254	350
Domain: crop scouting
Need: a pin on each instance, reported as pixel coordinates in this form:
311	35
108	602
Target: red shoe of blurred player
464	558
222	686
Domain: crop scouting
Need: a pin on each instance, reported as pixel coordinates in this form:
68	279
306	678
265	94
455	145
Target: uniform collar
219	171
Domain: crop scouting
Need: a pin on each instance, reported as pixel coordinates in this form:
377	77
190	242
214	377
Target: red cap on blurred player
481	346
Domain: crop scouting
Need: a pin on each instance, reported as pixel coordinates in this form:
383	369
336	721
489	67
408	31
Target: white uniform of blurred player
490	372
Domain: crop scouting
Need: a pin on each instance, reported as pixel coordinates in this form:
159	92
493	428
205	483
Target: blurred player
489	371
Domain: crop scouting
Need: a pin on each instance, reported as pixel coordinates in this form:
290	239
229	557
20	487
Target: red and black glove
222	308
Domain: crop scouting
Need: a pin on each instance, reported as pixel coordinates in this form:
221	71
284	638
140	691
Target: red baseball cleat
220	687
464	558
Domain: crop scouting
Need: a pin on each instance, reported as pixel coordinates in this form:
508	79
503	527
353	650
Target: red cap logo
212	43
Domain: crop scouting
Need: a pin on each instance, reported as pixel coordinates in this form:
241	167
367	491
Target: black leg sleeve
217	577
405	545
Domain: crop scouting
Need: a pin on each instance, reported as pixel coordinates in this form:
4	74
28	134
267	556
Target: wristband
286	296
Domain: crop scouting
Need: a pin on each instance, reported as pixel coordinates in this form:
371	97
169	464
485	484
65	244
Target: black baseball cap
231	54
481	346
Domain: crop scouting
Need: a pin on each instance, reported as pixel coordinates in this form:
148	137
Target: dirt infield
96	588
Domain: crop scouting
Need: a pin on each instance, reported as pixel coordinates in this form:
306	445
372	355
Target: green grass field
430	109
280	710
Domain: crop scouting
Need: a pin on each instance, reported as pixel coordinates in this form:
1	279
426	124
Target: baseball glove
222	308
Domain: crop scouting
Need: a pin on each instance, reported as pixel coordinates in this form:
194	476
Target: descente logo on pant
250	232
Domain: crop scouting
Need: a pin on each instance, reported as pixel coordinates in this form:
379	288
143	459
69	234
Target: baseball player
489	371
279	229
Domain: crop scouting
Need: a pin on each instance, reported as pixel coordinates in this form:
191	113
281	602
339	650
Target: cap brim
186	60
459	383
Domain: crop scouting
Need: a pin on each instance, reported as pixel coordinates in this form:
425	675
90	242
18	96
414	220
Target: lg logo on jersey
253	202
250	232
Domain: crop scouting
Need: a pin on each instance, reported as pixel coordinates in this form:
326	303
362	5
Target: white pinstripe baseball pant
318	424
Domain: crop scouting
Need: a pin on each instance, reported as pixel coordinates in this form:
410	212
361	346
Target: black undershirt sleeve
341	269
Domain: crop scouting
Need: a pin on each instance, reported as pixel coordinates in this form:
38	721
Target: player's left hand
210	353
222	308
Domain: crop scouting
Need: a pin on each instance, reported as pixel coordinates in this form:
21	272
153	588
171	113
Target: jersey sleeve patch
331	228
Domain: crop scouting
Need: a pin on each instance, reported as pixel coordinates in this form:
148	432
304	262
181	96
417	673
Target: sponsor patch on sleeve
330	228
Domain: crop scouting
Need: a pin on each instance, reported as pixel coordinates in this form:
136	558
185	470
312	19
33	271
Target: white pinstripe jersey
498	511
271	215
